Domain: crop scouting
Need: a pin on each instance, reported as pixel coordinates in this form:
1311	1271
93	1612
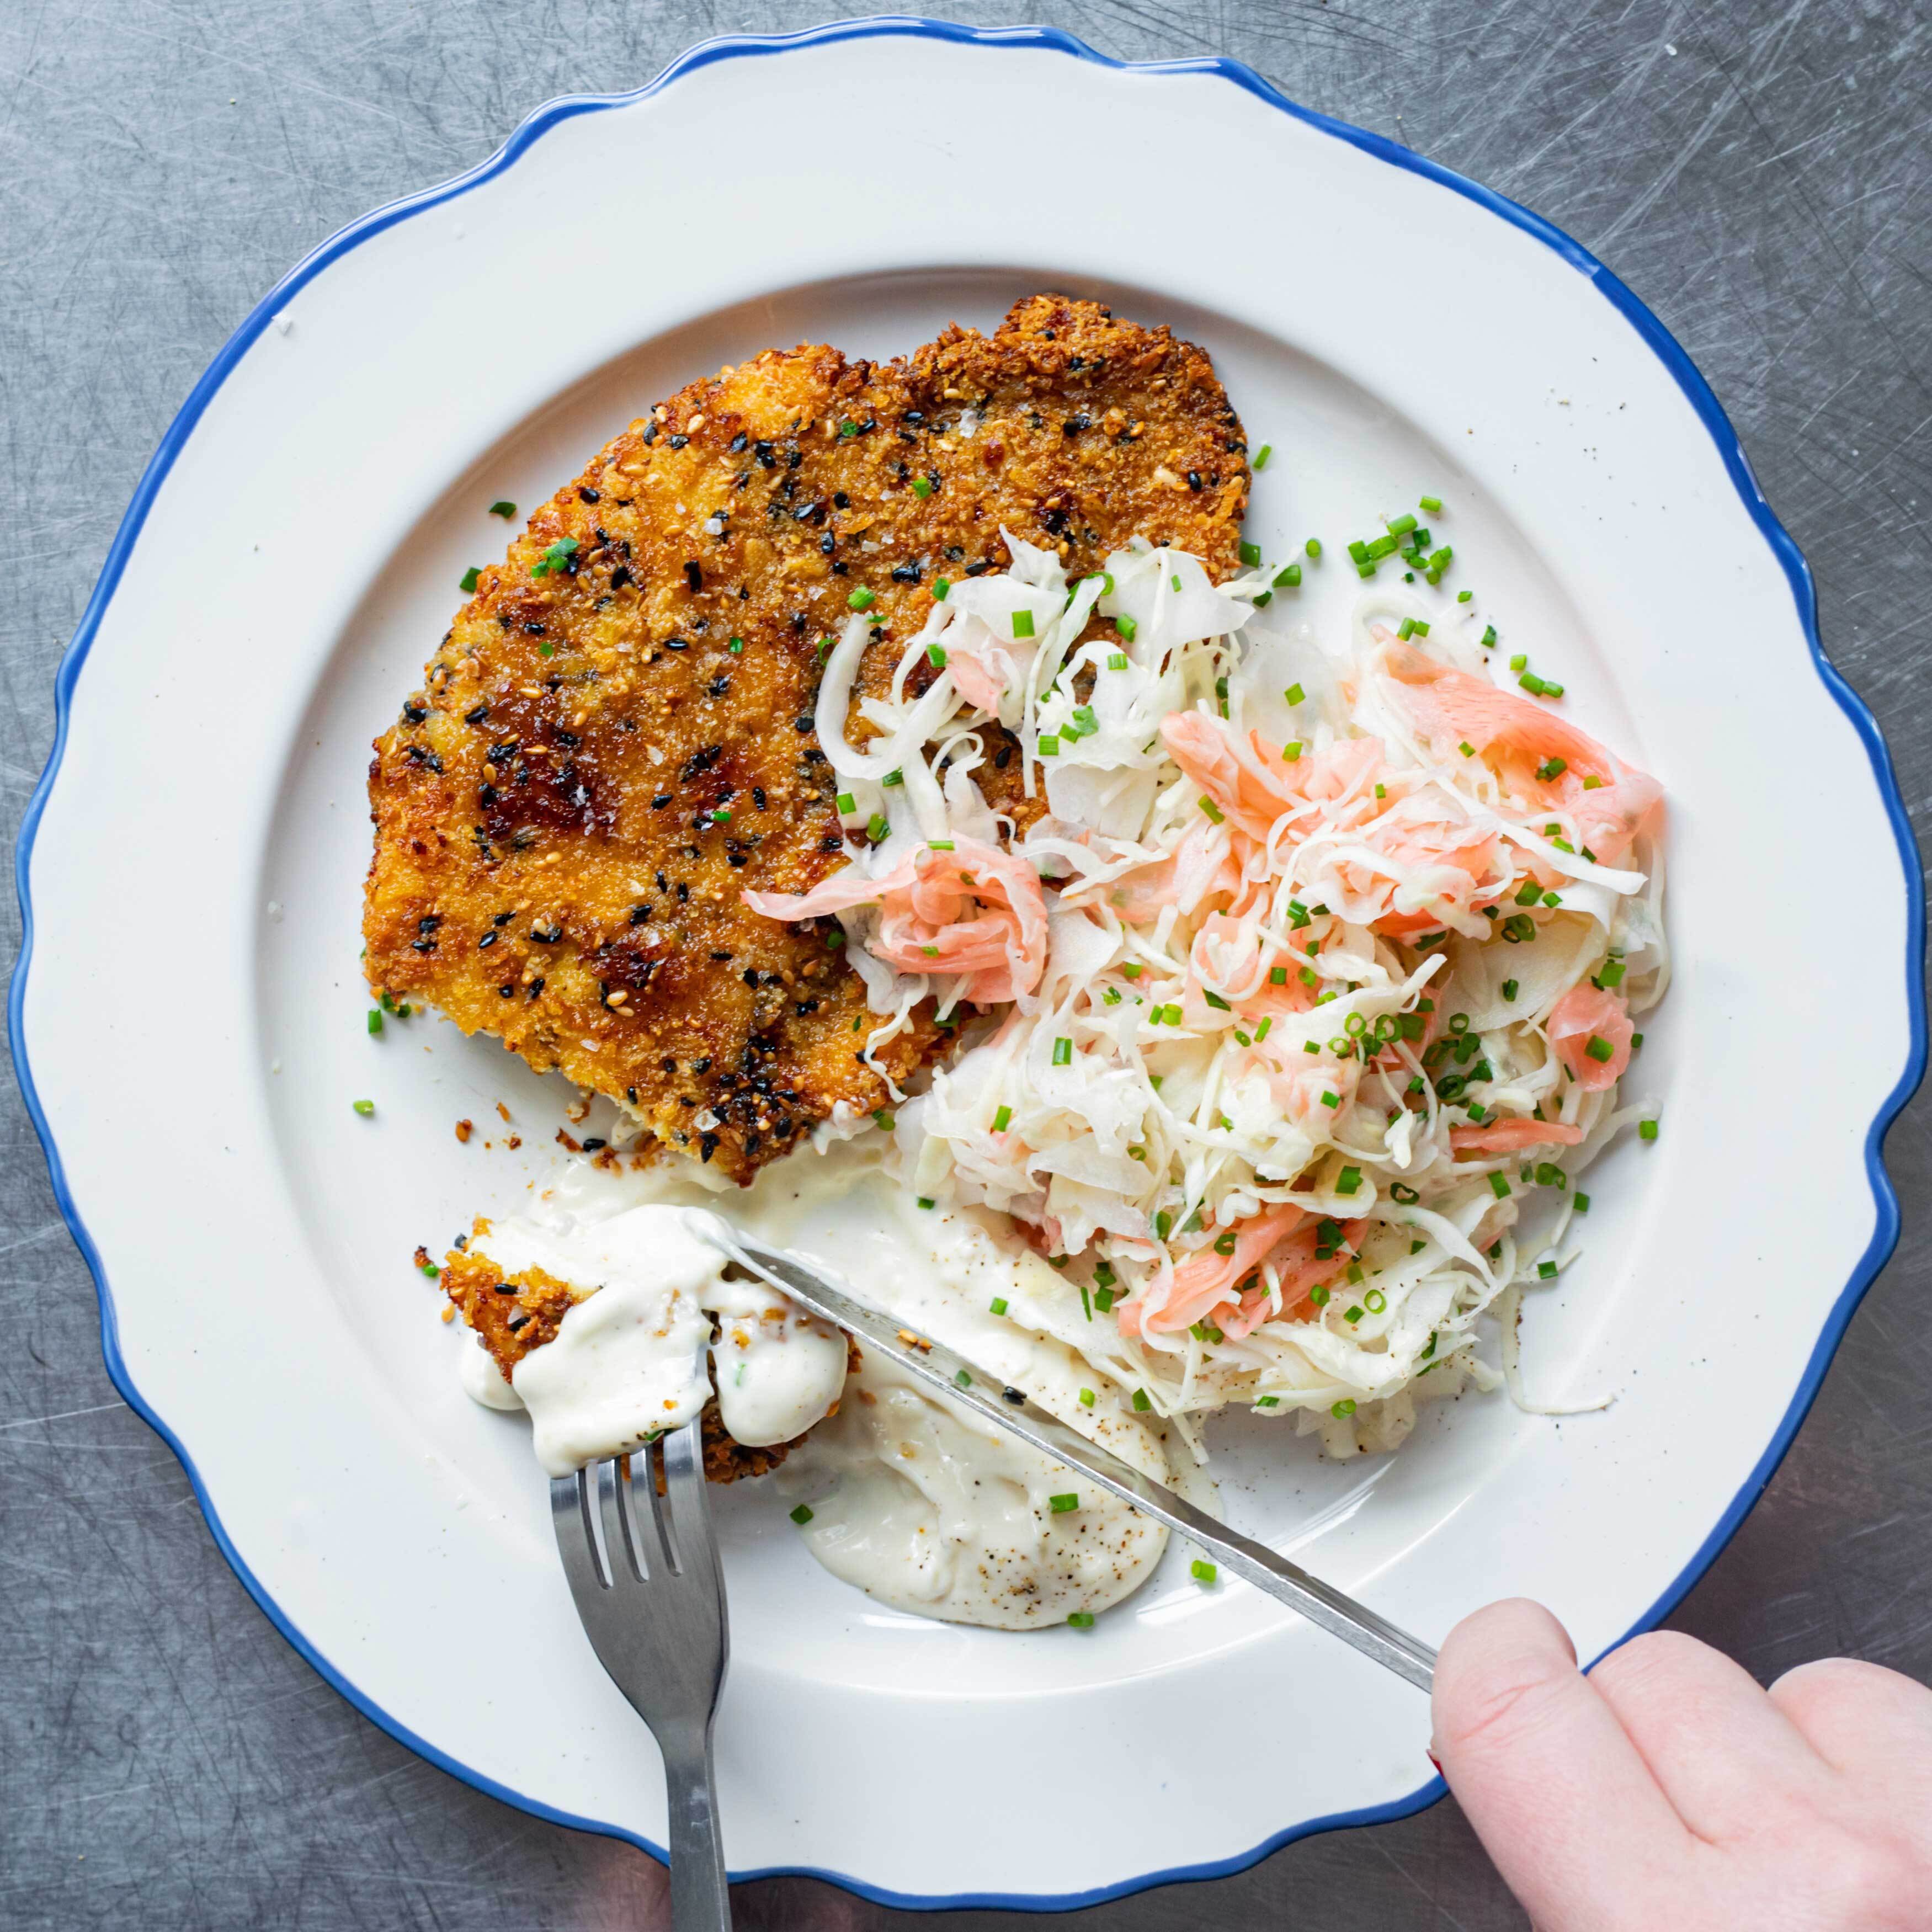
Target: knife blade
965	1383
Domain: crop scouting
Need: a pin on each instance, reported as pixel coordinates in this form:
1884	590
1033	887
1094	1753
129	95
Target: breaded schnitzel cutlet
615	739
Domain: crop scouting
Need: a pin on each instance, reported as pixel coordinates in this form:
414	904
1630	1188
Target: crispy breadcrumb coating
615	739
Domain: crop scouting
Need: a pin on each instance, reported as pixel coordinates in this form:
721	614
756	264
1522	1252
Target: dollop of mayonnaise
628	1359
921	1504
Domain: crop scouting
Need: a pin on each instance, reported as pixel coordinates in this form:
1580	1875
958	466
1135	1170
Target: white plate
288	563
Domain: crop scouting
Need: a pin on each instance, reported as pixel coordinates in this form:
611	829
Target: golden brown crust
513	1314
567	813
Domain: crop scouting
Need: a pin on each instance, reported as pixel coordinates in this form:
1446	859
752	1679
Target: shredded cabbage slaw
1310	990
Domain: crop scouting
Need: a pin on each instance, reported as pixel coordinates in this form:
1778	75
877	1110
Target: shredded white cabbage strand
1291	1022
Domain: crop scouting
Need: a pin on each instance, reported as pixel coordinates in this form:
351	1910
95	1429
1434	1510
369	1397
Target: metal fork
643	1569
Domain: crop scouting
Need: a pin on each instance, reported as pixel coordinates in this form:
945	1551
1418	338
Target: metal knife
965	1383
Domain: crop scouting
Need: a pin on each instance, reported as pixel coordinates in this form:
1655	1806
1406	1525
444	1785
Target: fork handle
700	1899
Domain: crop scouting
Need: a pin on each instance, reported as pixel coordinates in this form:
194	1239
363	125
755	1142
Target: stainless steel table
1758	173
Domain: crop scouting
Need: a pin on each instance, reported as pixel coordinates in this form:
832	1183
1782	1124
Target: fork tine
576	1539
621	1552
663	1544
685	1489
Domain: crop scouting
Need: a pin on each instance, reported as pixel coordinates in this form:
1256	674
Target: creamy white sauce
482	1380
777	1369
629	1357
923	1505
915	1500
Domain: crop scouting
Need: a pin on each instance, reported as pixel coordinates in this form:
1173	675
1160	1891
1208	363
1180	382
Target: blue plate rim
1665	346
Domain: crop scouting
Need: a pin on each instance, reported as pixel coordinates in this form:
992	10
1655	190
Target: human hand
1667	1789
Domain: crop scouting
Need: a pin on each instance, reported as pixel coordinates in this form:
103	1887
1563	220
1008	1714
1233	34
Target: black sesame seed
489	939
415	712
679	442
694	576
477	716
593	1143
621	576
1194	479
587	495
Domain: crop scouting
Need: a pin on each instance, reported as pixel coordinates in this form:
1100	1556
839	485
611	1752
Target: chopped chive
876	826
998	1304
861	599
1343	1409
1067	1504
364	1108
935	654
927	1201
1140	1401
1126	627
1599	1049
1509	989
1498	1185
1022	623
1646	1130
846	805
375	1019
1489	638
1331	1100
801	1516
882	1120
1261	456
1467	750
1407	629
1554	768
1581	1202
941	585
469	579
1531	683
1637	1040
1086	1398
1520	661
1063	1052
1049	748
1213	810
1529	893
503	509
1375	1301
1291	752
1202	1573
1464	596
1348	1181
1081	1619
1117	660
1250	554
1400	527
1003	1119
1294	693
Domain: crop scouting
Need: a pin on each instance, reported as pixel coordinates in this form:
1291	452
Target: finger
1730	1762
1560	1797
1861	1718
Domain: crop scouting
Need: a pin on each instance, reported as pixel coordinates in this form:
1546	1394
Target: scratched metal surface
1758	173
